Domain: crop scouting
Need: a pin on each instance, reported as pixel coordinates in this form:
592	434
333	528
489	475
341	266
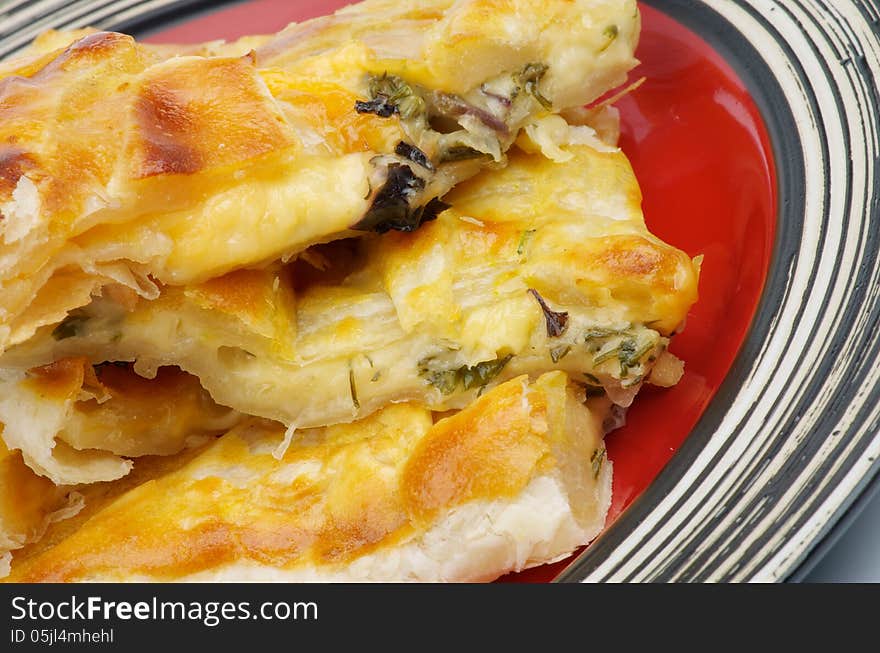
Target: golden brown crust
14	163
198	114
65	165
407	316
246	294
488	450
124	386
339	493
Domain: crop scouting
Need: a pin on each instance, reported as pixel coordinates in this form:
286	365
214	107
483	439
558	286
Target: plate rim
688	13
693	14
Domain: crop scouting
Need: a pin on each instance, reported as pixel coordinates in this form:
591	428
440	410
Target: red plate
703	158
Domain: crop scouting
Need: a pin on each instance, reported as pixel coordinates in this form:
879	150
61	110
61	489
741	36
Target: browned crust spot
60	380
487	450
14	164
242	292
165	121
87	50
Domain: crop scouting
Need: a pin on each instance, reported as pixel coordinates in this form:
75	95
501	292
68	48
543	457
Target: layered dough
542	265
72	422
28	505
518	478
123	164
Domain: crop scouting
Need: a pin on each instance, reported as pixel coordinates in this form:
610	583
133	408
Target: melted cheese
392	497
437	316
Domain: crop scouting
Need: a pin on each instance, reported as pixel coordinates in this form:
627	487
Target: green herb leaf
448	381
460	153
630	355
597	460
481	373
390	95
72	325
380	106
353	388
594	333
524	241
606	356
528	79
558	353
610	33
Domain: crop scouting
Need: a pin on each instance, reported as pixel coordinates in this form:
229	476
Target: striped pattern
22	20
794	434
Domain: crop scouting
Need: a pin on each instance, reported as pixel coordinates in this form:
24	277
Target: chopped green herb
447	381
377	373
460	153
390	95
558	353
524	241
630	355
592	379
556	322
379	106
625	352
597	459
481	373
629	351
610	33
353	388
72	325
600	333
528	79
606	355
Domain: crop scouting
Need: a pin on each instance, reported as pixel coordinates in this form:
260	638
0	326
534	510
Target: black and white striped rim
793	435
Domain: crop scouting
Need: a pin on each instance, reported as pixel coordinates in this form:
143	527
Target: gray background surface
855	557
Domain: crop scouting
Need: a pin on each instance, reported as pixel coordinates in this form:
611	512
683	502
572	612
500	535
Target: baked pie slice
543	265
